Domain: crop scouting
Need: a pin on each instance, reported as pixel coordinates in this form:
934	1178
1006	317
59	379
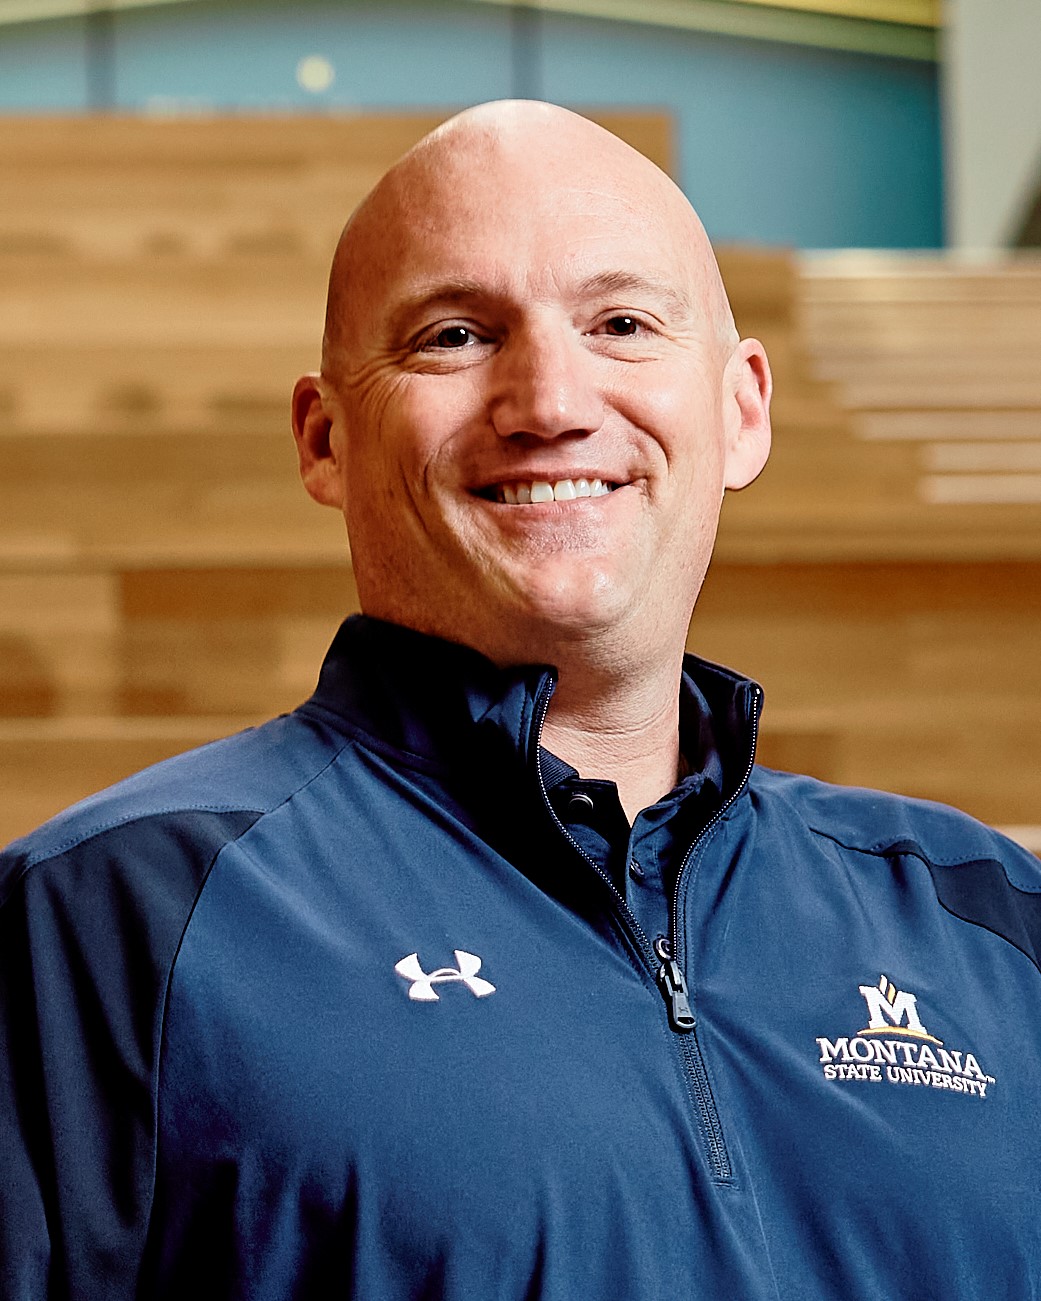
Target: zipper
713	822
674	987
690	1046
667	970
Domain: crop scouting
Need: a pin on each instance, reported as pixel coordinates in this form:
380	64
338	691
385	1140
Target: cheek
682	414
410	421
402	446
382	442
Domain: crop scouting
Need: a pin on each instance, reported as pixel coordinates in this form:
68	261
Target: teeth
541	490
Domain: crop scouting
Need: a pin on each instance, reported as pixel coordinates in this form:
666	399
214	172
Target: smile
524	493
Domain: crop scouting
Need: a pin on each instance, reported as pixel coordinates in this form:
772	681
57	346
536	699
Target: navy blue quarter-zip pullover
382	1001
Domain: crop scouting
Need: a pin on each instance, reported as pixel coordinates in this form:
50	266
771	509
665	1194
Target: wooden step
129	501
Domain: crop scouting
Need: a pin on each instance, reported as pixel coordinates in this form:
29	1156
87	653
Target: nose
545	385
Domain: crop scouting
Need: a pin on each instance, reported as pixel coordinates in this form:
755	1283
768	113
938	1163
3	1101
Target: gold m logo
893	1011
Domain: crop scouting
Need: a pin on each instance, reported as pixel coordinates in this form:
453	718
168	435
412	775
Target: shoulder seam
99	829
45	855
162	810
903	845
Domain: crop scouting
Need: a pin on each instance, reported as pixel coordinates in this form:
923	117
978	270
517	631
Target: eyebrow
458	290
449	292
627	282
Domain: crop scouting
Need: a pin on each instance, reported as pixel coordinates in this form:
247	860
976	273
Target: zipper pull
674	987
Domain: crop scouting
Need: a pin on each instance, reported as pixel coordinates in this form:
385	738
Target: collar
439	704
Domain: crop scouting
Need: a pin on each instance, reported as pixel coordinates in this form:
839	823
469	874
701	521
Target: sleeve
88	939
24	1250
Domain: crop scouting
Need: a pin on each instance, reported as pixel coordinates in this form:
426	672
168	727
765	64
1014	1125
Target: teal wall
777	144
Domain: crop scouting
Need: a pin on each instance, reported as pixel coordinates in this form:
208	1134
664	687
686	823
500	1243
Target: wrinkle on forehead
453	170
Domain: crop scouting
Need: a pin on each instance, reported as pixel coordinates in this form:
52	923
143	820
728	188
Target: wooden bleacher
884	576
164	579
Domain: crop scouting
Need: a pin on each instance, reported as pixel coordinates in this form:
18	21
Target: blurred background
173	178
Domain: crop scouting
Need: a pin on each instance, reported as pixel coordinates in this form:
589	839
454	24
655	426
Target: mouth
534	492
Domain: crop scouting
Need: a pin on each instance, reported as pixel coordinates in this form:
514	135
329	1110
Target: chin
570	606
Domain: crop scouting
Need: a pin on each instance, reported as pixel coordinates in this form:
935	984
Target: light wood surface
164	579
918	677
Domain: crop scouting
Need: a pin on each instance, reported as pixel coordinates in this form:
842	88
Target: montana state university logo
896	1047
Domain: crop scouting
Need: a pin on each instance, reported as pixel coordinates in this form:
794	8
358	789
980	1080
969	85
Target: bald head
467	173
532	395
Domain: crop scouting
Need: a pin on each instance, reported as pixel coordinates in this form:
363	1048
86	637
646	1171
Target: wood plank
119	186
224	641
58	643
914	426
129	501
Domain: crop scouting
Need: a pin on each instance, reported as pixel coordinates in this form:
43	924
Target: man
478	978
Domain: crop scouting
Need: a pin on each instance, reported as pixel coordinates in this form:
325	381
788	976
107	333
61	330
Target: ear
312	428
747	389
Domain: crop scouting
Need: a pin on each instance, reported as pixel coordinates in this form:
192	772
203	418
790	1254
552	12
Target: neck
619	730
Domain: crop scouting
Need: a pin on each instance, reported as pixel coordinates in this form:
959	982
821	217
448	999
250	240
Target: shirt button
579	803
635	870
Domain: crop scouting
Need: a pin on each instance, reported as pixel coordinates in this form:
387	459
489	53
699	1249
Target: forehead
517	228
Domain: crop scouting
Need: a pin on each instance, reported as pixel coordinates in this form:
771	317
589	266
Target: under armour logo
421	985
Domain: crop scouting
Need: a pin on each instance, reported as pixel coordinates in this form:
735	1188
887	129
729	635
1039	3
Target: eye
451	337
622	325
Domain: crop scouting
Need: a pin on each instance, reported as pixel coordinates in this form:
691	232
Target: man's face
531	408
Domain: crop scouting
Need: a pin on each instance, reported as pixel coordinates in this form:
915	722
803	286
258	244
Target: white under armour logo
422	988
